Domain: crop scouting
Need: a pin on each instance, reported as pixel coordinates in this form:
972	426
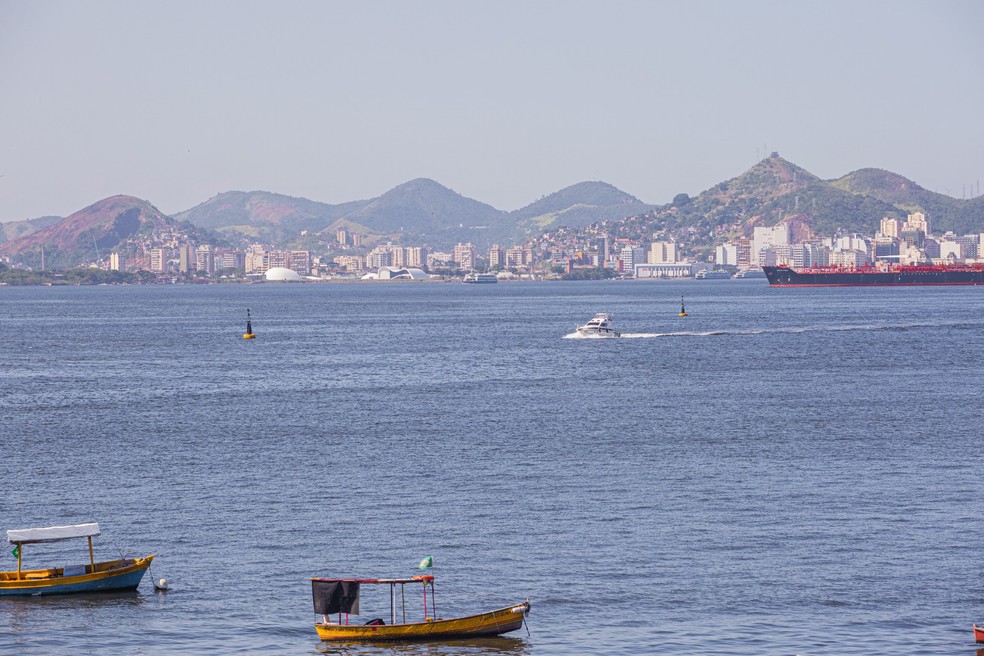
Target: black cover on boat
335	597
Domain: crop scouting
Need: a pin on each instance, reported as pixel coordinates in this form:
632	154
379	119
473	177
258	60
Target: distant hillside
946	213
119	223
775	190
17	229
420	211
577	206
771	191
265	217
423	211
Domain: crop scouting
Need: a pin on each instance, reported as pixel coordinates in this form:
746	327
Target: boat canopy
335	596
52	533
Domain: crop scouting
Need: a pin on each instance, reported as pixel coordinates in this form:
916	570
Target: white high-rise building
763	238
630	256
917	221
464	255
663	252
890	227
726	255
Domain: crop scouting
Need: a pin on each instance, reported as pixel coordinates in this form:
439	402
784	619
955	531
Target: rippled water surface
781	472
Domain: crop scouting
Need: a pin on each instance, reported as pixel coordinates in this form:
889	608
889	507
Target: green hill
946	213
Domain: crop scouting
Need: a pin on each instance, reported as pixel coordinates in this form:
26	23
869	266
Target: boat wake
782	330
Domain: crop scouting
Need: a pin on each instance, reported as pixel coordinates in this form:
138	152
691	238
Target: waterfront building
853	242
277	260
890	227
204	259
399	254
351	262
602	245
518	256
299	261
186	258
969	247
439	260
949	249
917	221
806	255
497	257
669	270
256	261
743	251
158	260
663	252
849	258
231	260
629	256
416	257
380	256
116	261
726	255
885	249
764	238
464	255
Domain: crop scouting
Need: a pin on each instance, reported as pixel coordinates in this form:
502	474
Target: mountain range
423	212
417	212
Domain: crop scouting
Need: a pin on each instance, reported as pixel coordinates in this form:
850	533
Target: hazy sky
503	101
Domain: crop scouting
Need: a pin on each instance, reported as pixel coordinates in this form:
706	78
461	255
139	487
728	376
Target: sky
503	101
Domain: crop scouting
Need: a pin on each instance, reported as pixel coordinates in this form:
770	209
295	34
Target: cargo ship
892	274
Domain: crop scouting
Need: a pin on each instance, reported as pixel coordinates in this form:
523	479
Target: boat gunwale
51	583
486	624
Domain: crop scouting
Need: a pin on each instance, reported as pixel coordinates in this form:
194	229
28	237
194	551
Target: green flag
426	563
16	551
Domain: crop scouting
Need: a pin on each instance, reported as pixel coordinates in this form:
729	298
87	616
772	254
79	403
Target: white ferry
713	274
480	278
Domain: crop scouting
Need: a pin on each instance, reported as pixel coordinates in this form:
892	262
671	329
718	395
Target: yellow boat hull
249	335
495	622
111	575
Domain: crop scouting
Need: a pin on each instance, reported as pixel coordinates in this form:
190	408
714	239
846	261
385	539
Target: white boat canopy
52	533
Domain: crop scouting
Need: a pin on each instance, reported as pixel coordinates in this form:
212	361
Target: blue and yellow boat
112	575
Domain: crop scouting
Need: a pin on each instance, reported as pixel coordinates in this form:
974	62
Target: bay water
783	471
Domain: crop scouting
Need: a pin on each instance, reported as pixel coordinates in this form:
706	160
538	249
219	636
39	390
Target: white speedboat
600	325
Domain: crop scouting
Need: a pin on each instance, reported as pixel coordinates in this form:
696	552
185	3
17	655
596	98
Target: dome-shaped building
281	274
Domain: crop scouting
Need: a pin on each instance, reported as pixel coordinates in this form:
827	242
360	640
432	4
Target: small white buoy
162	585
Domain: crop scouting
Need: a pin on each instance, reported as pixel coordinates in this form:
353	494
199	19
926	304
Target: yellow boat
111	575
341	596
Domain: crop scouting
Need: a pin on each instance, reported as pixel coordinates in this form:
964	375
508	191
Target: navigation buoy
249	328
683	310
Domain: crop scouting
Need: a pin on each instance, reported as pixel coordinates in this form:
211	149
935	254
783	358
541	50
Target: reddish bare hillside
107	223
